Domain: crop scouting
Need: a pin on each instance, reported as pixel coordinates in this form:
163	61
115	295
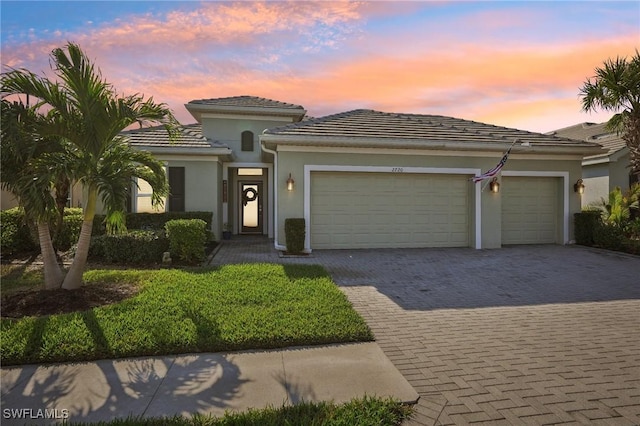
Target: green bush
187	238
294	231
15	234
70	232
151	221
609	236
585	224
133	248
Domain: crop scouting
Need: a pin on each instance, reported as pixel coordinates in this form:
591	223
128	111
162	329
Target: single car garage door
376	210
530	210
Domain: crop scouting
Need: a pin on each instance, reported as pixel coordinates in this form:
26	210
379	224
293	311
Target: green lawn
251	306
365	411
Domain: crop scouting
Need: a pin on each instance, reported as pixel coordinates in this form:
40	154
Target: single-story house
603	171
365	179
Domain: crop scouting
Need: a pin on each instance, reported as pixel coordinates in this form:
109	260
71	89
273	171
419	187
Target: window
247	140
176	189
142	192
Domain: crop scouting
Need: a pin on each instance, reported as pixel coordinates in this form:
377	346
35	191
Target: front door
251	207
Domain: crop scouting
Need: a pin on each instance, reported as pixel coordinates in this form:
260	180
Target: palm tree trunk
53	274
73	280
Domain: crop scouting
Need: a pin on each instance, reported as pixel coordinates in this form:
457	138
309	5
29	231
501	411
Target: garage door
530	210
376	210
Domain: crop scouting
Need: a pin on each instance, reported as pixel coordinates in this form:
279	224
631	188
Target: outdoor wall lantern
494	185
290	183
579	187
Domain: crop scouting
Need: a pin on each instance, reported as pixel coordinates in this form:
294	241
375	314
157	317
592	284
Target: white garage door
530	210
376	210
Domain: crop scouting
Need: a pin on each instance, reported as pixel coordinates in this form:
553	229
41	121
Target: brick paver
525	335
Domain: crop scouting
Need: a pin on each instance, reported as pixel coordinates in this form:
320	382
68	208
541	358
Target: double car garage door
375	210
380	210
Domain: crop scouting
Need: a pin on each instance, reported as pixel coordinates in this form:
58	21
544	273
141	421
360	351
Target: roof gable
245	105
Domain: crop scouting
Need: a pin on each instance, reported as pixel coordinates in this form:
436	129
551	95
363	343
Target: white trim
270	200
565	195
308	168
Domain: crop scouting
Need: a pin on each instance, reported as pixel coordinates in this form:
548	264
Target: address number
397	169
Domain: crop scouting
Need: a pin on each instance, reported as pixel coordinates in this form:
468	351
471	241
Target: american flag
496	169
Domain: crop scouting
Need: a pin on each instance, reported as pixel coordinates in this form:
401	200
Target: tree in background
616	88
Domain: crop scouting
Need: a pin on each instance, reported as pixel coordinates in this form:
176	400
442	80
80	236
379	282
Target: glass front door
251	207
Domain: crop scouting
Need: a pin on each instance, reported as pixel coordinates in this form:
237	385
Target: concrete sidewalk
208	383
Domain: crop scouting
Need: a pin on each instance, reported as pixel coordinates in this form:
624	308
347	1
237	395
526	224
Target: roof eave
181	150
581	148
197	110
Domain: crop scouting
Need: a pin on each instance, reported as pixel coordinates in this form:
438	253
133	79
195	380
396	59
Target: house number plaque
397	169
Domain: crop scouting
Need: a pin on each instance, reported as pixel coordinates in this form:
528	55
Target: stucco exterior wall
203	188
229	131
291	204
619	173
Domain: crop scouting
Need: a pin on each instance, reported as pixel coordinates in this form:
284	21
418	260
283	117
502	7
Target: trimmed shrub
187	238
70	232
133	248
609	236
152	221
294	231
585	225
15	235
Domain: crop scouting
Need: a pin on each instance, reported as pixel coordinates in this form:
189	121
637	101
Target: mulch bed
60	301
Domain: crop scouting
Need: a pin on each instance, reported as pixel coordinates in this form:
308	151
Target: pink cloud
317	54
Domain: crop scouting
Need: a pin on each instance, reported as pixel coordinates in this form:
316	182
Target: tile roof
247	102
190	137
363	124
593	132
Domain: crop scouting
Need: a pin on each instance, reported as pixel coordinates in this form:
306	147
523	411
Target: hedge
591	230
16	236
133	248
585	225
294	232
187	238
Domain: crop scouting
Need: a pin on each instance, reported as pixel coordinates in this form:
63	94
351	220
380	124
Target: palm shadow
102	390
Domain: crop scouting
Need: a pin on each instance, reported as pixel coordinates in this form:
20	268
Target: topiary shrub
133	248
294	231
187	238
585	224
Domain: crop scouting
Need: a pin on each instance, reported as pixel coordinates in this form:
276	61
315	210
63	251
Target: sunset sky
510	63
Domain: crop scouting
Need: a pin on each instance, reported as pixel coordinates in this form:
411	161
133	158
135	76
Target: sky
510	63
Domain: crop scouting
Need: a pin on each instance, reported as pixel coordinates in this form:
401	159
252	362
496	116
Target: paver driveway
521	335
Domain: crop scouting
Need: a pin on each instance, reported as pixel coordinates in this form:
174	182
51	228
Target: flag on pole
496	169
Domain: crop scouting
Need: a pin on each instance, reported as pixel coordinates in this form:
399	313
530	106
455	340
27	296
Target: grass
235	307
361	411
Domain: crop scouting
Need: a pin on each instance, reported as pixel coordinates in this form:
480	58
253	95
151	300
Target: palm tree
616	88
27	162
88	113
